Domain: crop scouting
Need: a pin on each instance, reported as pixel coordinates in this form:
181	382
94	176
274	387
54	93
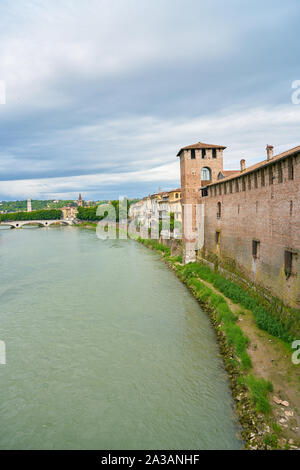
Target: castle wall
267	215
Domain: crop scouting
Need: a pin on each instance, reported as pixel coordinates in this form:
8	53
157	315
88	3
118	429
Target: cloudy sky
100	95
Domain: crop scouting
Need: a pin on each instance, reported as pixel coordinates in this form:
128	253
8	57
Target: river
105	349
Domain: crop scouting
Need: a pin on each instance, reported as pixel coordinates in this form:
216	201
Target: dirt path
271	359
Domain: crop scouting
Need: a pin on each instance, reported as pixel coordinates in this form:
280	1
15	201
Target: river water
105	349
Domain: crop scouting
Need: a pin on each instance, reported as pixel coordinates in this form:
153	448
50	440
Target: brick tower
80	203
200	164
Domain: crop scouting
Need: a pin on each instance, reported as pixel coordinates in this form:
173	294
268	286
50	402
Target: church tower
80	203
200	165
29	209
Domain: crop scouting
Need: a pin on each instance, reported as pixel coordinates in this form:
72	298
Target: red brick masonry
252	217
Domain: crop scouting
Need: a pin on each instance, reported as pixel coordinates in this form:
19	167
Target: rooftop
200	145
226	173
257	166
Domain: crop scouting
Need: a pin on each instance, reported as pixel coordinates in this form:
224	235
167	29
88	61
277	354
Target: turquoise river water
105	349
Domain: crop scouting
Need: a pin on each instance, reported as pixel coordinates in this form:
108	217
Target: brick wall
267	215
190	171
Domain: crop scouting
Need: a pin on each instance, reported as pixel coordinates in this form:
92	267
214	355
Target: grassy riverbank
241	323
255	343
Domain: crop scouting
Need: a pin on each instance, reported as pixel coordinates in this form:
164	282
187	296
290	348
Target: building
158	205
69	212
80	202
163	205
248	219
175	204
136	211
29	208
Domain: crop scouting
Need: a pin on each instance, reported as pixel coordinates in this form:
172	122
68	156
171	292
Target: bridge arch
41	223
61	222
29	222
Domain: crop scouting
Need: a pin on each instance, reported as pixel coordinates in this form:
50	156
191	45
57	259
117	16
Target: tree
52	214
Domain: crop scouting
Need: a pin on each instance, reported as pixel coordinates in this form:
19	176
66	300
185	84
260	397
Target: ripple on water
105	349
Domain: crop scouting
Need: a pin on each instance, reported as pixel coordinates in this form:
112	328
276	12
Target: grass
276	427
259	391
271	440
284	327
87	224
192	274
176	259
155	245
235	338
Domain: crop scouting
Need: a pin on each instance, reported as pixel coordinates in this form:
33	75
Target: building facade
175	204
159	205
136	210
69	212
249	218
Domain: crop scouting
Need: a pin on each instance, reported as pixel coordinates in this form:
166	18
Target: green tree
52	214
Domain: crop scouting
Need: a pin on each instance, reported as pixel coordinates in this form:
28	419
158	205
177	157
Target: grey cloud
116	87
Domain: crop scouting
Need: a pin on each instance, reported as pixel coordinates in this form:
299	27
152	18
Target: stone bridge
41	223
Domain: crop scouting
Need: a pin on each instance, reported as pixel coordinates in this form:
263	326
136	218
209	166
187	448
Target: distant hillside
19	206
16	206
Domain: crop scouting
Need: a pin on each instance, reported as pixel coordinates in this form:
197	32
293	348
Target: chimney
243	164
270	151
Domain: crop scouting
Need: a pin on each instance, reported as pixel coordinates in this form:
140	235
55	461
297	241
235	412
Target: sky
100	95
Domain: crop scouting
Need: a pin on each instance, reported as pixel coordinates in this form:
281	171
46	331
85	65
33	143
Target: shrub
266	319
51	214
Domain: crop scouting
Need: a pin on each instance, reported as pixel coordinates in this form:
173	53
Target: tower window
205	174
214	153
193	155
270	175
220	189
290	170
288	263
255	248
280	175
203	153
218	237
219	210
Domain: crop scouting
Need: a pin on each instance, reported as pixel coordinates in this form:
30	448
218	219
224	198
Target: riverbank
263	379
265	383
